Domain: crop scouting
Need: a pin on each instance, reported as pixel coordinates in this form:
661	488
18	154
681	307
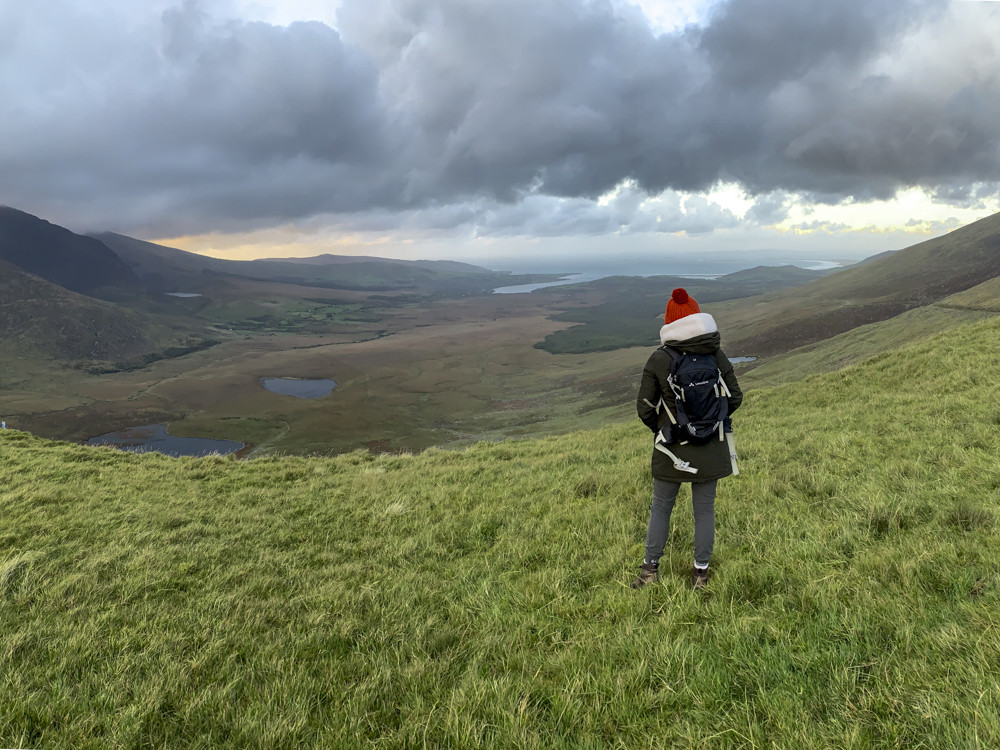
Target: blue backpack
700	396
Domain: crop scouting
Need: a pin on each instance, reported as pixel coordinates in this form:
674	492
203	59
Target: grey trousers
703	503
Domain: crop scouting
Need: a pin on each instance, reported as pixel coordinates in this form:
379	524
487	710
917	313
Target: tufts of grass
479	598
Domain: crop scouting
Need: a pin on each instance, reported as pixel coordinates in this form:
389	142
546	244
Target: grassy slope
981	301
876	290
478	597
49	325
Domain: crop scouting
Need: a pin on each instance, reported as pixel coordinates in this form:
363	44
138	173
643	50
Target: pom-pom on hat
679	305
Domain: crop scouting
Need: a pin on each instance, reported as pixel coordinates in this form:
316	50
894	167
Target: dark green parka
700	336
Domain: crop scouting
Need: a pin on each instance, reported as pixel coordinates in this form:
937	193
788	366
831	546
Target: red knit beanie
680	305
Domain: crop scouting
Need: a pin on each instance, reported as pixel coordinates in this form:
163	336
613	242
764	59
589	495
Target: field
412	371
479	598
415	367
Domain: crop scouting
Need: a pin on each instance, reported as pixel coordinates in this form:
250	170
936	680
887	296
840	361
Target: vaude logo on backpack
701	397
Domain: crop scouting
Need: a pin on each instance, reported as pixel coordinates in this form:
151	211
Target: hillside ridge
43	317
878	289
76	262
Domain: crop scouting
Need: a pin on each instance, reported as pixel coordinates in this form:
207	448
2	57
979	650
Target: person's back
677	460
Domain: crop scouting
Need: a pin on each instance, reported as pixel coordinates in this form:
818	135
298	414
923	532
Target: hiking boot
699	577
648	573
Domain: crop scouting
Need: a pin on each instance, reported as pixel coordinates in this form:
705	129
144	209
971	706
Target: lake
153	438
575	278
579	278
299	387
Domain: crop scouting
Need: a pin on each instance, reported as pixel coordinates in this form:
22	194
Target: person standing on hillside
701	460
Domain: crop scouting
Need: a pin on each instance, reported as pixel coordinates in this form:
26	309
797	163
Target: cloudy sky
483	129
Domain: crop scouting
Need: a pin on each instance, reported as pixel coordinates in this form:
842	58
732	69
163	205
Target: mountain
447	266
213	601
169	269
866	341
38	316
880	288
76	262
775	276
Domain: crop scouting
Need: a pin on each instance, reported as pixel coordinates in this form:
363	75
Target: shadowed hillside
166	269
44	326
81	264
479	598
38	316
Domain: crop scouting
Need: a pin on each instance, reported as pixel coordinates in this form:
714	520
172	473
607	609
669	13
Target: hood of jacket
696	333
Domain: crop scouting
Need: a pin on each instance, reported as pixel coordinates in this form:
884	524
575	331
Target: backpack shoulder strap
675	356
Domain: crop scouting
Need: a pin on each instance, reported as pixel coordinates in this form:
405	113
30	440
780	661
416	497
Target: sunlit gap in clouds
663	15
634	219
845	231
670	15
912	211
284	12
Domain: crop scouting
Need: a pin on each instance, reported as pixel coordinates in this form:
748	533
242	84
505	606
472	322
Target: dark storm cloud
759	44
182	121
569	99
505	117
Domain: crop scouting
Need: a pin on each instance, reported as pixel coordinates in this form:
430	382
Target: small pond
154	438
299	387
181	294
737	360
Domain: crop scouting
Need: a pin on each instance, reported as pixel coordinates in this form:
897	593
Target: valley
416	375
425	354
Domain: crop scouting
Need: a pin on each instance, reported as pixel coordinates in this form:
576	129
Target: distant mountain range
445	266
99	298
107	264
169	269
131	272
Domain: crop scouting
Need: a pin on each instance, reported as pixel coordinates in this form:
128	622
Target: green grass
862	343
869	292
478	598
286	315
978	302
